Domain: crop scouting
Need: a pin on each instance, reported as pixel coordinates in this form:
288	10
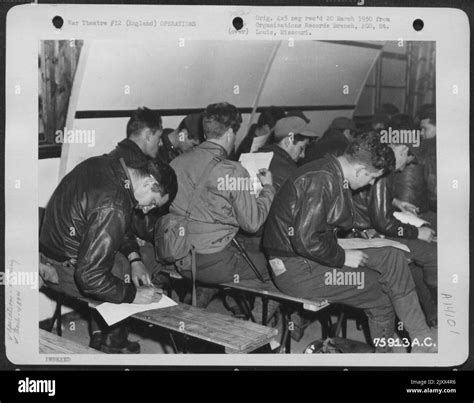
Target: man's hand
147	295
265	177
406	207
426	234
355	258
140	275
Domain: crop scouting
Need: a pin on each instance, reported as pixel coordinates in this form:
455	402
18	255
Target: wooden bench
236	336
50	343
267	291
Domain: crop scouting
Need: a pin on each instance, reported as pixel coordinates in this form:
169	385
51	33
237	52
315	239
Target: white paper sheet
113	313
359	243
253	162
409	219
258	142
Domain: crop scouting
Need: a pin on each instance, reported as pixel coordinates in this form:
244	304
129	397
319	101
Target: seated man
334	140
374	209
84	235
300	240
227	203
176	142
143	142
427	154
264	127
415	186
291	139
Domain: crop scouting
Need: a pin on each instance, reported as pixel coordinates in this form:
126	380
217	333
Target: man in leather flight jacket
85	227
374	208
307	261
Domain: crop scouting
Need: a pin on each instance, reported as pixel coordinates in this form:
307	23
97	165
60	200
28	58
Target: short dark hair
298	137
401	121
269	116
370	151
428	111
162	172
143	118
218	118
182	125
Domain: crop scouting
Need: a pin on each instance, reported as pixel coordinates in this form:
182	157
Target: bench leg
244	306
264	310
285	344
174	345
57	316
326	324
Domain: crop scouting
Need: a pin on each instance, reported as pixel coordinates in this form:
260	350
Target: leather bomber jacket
86	221
312	205
373	209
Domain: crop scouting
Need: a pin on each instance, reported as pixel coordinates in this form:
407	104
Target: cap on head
291	124
309	133
299	114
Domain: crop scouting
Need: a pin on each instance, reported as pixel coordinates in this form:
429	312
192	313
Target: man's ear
359	168
148	182
164	199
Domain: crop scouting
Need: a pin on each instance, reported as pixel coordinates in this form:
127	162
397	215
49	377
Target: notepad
359	243
409	219
253	162
113	313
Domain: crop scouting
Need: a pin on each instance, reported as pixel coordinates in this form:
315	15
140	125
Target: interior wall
120	75
161	75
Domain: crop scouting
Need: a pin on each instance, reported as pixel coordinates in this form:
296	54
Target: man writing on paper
144	142
84	234
300	239
375	210
226	204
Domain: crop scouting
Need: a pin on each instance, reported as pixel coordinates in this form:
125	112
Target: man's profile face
263	131
144	191
186	143
349	134
428	130
364	176
378	126
153	142
401	156
297	151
